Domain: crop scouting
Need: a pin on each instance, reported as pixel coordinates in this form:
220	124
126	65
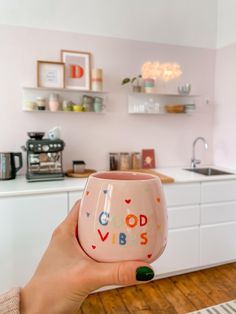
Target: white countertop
180	175
20	186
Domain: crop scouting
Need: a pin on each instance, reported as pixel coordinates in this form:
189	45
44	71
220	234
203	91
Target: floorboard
173	295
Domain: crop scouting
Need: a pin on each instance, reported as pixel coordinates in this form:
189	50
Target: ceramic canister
98	104
123	217
97	80
53	102
149	85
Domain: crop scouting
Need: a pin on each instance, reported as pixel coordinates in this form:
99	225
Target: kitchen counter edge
20	186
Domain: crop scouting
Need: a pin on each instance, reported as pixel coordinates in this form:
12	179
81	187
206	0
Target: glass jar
113	161
87	103
124	161
136	160
78	166
41	103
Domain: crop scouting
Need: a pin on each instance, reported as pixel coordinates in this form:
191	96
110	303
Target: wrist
26	301
32	300
37	299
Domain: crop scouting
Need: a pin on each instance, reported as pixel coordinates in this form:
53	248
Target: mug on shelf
122	217
98	104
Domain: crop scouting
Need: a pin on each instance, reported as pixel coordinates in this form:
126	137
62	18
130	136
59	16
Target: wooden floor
179	294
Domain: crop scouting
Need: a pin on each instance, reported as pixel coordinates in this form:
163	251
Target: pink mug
122	217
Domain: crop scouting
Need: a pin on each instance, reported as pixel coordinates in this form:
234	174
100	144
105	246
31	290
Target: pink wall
225	109
90	136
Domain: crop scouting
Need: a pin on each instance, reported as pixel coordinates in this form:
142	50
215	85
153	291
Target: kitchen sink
208	171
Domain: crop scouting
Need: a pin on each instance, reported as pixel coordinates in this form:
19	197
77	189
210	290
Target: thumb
121	273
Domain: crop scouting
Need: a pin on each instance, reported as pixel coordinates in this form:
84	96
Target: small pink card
148	158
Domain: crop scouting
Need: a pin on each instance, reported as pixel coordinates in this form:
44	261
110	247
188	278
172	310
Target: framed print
148	158
50	74
77	69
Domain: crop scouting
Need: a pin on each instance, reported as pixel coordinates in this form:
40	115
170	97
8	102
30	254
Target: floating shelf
154	103
164	94
62	90
30	94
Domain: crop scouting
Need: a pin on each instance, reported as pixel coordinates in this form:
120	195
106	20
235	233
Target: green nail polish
144	273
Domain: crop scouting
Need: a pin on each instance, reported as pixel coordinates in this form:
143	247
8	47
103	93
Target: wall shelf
61	90
165	94
62	111
30	94
154	103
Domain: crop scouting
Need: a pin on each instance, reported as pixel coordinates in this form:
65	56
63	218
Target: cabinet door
217	243
215	213
218	191
74	197
182	251
180	194
183	217
26	226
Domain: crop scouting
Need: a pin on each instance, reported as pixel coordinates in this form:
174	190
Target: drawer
182	194
217	243
74	197
182	251
218	212
187	216
218	191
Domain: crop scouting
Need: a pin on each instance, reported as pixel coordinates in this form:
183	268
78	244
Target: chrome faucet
195	161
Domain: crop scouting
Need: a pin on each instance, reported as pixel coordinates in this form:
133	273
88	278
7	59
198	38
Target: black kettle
8	168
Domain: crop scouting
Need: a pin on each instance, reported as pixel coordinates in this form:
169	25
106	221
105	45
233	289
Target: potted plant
135	81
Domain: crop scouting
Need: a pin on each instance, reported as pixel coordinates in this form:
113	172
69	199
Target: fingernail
144	273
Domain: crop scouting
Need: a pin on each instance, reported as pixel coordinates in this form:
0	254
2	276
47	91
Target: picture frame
77	69
50	74
148	159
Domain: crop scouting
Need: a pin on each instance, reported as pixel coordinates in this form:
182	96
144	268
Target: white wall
225	103
225	108
179	22
226	23
90	136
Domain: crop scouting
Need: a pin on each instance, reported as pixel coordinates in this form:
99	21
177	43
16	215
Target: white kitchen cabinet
217	243
202	227
26	226
182	251
74	197
218	222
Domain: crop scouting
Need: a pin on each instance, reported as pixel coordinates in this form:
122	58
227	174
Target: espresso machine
44	158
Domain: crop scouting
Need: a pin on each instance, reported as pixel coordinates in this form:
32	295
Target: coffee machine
44	158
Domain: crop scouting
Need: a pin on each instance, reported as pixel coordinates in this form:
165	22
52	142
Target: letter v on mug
128	222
